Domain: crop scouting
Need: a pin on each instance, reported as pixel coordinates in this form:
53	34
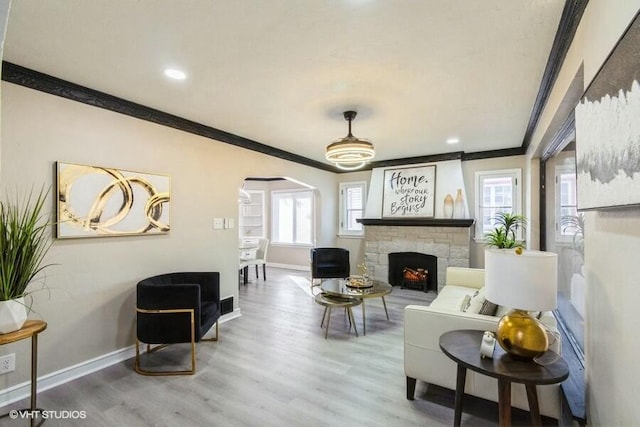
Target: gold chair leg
217	334
323	317
136	363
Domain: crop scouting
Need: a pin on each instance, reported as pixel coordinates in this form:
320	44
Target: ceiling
281	72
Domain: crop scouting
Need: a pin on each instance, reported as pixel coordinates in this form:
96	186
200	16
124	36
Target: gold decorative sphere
521	335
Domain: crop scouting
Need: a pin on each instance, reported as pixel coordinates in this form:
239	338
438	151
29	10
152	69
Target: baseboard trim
290	266
23	390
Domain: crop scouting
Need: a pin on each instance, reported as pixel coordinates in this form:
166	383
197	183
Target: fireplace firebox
406	270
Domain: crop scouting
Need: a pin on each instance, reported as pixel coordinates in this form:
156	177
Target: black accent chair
176	308
329	263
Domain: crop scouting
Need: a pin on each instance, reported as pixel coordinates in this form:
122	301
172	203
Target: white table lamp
524	281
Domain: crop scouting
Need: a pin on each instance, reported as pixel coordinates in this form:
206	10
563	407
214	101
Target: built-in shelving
251	221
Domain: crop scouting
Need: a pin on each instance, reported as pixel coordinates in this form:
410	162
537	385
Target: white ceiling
281	72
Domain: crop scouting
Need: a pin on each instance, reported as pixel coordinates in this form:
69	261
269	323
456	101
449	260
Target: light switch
218	223
229	223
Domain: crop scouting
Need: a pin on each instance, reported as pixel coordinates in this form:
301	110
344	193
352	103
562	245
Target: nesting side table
30	329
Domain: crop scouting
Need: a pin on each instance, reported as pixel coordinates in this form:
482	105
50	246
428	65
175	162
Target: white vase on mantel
458	207
13	314
448	206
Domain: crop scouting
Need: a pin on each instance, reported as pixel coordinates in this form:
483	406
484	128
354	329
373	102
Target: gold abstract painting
94	201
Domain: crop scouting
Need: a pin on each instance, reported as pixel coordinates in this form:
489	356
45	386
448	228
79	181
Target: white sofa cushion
450	296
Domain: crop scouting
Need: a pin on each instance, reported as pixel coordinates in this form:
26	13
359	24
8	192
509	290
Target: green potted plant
24	242
574	224
504	236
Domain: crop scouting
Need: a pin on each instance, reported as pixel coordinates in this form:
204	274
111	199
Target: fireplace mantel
417	222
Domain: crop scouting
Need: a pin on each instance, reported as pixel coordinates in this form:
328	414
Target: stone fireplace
448	240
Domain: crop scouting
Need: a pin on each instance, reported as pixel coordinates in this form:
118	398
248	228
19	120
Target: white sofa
424	361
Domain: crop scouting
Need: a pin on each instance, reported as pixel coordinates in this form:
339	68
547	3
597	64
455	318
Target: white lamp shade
528	281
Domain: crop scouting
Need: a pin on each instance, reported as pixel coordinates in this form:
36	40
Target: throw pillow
488	308
463	304
476	301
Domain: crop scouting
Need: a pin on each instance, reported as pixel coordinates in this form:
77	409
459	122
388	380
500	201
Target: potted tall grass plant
505	233
24	242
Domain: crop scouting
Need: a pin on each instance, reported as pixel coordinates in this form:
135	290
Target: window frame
558	170
343	206
274	216
515	174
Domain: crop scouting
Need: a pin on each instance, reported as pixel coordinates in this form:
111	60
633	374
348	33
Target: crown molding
32	79
571	16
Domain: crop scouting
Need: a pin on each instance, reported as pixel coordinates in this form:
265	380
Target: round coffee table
463	347
330	301
339	287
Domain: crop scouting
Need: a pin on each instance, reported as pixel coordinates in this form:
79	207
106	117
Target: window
567	225
352	203
292	217
567	240
496	191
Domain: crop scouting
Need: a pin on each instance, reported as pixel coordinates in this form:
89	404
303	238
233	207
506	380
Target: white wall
612	242
90	311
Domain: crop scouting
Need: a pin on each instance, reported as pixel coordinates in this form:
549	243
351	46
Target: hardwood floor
271	367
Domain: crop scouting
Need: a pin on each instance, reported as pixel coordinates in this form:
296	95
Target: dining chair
260	259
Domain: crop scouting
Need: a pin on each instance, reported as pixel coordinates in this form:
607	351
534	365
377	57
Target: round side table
463	347
330	301
30	329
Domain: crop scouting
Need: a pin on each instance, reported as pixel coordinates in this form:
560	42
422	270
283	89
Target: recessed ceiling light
172	73
453	140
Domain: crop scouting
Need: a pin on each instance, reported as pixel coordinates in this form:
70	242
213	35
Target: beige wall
90	311
612	242
4	17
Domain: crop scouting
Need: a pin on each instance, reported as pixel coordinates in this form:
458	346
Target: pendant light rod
350	153
349	116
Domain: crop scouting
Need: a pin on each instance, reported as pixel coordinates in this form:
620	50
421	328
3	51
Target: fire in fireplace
413	270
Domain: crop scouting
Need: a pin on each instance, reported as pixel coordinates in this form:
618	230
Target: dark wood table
463	347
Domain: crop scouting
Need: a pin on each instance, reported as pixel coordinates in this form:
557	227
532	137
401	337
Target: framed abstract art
608	130
96	201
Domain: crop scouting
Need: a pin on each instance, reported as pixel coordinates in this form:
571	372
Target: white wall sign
409	192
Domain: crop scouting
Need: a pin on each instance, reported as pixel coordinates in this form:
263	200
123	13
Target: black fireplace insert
405	270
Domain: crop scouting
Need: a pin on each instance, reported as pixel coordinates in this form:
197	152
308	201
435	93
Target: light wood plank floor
271	367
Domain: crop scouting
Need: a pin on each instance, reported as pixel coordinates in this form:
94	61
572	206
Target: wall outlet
7	363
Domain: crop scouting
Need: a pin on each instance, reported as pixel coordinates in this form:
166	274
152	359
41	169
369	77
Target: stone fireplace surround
449	240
